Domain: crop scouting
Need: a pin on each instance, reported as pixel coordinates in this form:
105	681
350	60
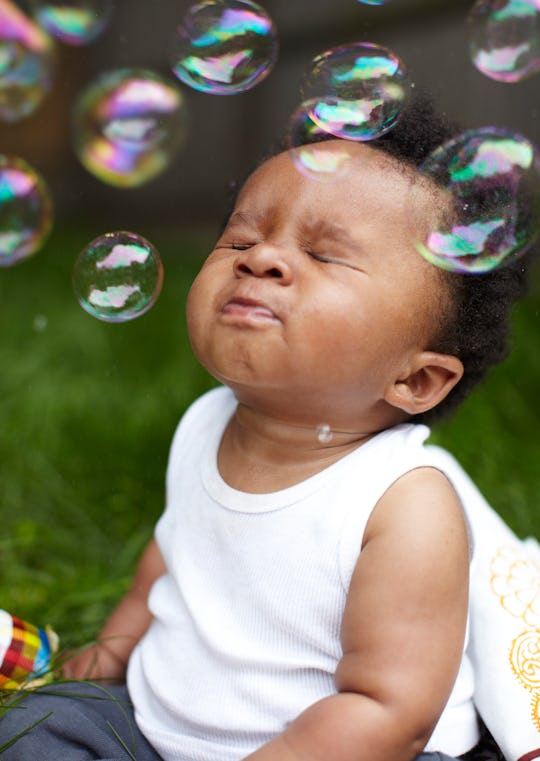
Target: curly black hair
477	328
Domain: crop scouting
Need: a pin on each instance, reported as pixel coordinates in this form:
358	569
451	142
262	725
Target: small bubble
128	125
357	91
491	178
75	22
118	277
324	433
26	63
310	149
224	47
40	323
504	38
26	210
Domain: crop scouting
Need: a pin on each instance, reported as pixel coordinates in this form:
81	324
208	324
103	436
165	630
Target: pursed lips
249	310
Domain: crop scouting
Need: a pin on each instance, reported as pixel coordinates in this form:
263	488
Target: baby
305	597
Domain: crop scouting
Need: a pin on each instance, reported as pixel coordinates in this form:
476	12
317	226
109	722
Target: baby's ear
431	378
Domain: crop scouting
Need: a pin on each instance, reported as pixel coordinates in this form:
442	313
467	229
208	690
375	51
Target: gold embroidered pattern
515	580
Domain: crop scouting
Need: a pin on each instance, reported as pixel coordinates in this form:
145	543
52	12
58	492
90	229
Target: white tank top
246	629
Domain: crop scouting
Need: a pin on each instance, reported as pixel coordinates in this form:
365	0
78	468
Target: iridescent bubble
75	22
324	433
26	211
491	179
26	63
224	47
310	149
128	125
505	38
118	277
372	2
358	91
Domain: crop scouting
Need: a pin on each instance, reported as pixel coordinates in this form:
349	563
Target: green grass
86	415
87	412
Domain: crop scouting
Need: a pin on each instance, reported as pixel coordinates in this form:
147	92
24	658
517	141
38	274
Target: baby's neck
261	454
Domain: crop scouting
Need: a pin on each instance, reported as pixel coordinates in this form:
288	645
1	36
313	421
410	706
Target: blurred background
87	409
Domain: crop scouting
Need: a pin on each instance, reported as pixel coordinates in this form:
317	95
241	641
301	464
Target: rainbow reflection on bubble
128	125
224	47
26	63
118	277
504	38
491	178
75	22
311	151
372	2
26	210
358	91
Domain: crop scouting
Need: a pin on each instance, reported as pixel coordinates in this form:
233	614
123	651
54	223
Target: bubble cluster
128	125
491	179
505	38
75	22
310	150
118	276
224	47
26	210
26	63
357	91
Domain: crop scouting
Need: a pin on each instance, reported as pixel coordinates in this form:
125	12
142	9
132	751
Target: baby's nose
264	260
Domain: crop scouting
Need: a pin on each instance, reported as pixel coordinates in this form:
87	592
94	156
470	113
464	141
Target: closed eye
333	260
321	258
241	246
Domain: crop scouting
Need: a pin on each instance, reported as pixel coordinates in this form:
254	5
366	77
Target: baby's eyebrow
331	230
243	218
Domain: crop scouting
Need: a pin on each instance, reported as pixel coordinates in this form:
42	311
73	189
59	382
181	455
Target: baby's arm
402	634
108	658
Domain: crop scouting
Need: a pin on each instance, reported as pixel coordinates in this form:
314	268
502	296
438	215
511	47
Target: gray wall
228	133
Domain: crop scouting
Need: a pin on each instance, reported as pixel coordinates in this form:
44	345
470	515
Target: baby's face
314	292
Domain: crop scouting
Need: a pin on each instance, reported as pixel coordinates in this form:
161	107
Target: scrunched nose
264	260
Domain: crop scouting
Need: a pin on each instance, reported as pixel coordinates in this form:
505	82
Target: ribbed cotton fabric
246	630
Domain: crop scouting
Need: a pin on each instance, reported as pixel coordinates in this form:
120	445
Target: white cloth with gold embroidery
504	611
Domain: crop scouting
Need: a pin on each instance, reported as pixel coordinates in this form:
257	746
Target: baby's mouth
249	309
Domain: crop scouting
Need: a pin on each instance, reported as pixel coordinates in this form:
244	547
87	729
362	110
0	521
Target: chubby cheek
197	311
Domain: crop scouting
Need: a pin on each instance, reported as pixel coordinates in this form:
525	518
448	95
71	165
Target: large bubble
75	22
311	151
128	125
224	47
118	277
26	211
26	63
358	91
505	38
491	178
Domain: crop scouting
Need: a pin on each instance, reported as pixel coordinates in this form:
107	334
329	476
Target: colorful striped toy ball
25	652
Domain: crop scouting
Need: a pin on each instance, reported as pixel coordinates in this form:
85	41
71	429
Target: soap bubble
25	210
492	180
75	22
128	125
26	63
372	2
324	433
118	277
358	91
310	149
224	47
505	38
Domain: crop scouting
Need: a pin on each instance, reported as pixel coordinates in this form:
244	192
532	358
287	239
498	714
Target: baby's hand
97	661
